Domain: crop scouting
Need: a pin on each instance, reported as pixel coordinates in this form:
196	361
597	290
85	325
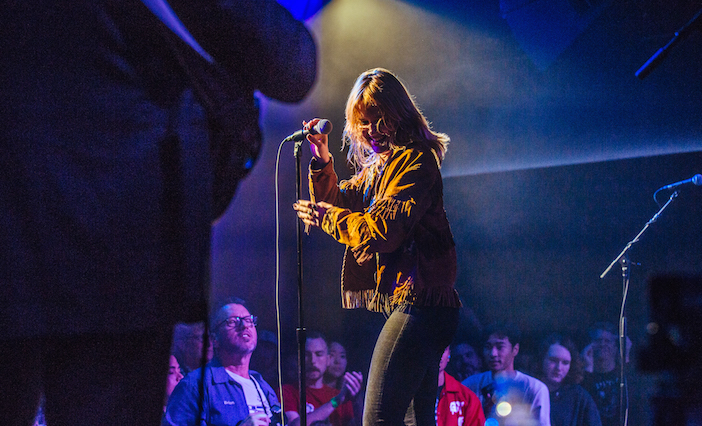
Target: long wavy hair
380	88
575	374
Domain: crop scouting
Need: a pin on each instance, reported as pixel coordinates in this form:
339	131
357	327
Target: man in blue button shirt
233	394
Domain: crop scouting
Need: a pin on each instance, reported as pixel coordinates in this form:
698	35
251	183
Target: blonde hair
380	88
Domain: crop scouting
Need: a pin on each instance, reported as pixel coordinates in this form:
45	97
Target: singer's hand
256	419
319	144
311	213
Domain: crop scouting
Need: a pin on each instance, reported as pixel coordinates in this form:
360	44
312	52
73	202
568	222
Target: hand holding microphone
319	142
315	131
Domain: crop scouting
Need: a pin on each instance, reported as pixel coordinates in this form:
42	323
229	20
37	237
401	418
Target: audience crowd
479	385
478	381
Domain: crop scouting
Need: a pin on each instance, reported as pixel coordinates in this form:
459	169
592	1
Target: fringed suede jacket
399	246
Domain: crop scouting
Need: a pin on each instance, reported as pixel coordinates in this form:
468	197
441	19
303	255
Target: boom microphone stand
623	260
661	54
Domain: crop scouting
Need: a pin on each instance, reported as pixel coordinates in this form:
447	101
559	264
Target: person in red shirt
324	403
456	405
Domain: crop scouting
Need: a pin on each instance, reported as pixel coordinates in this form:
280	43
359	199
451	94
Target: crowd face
556	364
338	361
174	376
500	353
316	359
192	348
240	338
466	359
604	349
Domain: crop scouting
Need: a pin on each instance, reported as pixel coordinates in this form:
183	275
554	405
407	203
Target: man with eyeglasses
233	394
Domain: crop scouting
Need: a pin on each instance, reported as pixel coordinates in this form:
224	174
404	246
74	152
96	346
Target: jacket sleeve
402	198
325	186
182	408
541	407
473	410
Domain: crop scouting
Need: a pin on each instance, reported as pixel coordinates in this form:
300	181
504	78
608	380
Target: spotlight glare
503	409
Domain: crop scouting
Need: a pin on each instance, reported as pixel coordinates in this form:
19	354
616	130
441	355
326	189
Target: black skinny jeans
405	365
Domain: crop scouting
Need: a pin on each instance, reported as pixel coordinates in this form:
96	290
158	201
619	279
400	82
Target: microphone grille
324	127
697	179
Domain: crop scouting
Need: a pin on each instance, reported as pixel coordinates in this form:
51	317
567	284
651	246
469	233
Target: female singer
400	255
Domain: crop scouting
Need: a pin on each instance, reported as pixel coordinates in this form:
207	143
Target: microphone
323	127
696	179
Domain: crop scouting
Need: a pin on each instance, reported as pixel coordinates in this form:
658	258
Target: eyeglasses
237	322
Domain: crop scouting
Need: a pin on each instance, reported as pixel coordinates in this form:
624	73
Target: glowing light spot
491	422
503	409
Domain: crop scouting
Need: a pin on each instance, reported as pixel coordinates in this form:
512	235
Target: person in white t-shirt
508	395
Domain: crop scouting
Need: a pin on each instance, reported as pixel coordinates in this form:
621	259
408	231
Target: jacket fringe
379	302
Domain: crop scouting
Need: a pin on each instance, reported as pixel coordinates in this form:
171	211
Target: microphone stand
623	260
301	332
661	54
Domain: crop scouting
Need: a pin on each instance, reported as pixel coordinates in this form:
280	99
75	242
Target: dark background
557	149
